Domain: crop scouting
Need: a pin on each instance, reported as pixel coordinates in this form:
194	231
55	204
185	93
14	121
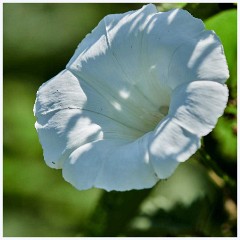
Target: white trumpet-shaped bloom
134	100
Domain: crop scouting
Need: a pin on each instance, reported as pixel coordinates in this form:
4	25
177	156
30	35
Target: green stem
211	164
114	211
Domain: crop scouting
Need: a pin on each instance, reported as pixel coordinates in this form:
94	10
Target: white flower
134	100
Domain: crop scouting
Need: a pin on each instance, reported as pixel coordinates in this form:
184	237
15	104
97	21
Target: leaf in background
202	10
163	7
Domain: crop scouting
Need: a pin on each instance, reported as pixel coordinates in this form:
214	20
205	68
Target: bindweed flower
134	100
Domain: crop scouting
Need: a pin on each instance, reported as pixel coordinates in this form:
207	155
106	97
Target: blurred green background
198	200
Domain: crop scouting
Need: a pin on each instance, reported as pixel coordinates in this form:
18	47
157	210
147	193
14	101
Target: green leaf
222	143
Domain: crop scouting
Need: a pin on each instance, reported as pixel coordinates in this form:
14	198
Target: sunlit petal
196	106
111	165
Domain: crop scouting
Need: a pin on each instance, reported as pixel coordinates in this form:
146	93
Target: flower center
141	111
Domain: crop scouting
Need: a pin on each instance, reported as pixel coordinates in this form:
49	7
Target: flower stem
211	164
114	211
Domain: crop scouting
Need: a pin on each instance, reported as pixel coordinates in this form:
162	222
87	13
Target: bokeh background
198	200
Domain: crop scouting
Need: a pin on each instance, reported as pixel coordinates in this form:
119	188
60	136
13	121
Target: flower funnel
134	100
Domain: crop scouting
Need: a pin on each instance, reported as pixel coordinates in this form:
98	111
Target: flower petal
199	58
169	145
128	167
179	49
66	130
63	132
111	60
111	165
115	33
165	33
194	110
83	165
61	92
58	94
197	105
70	113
